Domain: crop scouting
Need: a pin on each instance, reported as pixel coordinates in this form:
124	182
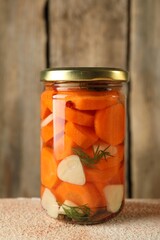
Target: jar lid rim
84	74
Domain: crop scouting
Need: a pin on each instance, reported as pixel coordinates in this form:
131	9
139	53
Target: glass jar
83	112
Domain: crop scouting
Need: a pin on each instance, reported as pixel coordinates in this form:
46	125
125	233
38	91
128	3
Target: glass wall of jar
83	129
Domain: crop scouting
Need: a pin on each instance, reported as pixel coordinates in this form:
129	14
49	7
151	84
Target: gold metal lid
83	74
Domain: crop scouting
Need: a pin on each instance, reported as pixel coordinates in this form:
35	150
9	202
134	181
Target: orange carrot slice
94	102
47	99
82	136
48	168
100	176
100	187
80	195
79	117
119	177
44	111
105	169
110	124
48	143
47	132
52	129
47	120
111	162
63	147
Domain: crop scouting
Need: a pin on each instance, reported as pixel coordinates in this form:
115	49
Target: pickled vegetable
82	156
110	125
49	176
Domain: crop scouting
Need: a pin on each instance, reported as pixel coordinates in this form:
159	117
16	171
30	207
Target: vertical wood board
145	97
22	56
88	33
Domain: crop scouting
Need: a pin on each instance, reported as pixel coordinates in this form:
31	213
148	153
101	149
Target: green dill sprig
89	161
77	213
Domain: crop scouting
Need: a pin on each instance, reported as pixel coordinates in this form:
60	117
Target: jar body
83	150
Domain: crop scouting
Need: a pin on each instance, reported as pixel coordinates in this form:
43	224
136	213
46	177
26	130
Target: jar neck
85	85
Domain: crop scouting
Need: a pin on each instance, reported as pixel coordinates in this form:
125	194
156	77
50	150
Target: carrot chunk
47	132
44	111
80	195
48	143
48	168
112	161
52	129
82	136
46	99
106	169
79	117
119	177
100	176
94	102
63	147
110	124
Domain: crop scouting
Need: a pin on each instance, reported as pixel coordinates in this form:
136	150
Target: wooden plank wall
145	97
90	34
46	33
22	56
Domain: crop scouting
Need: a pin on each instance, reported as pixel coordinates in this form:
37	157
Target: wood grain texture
145	97
88	33
22	56
81	33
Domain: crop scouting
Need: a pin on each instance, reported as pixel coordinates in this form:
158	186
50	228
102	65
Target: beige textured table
24	219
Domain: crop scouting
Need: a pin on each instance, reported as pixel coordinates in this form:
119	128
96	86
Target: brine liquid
82	154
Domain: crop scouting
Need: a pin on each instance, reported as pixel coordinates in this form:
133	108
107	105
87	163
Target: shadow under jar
83	115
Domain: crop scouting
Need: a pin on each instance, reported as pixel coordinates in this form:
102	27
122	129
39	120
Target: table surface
24	218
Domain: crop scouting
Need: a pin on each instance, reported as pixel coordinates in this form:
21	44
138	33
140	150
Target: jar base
100	216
